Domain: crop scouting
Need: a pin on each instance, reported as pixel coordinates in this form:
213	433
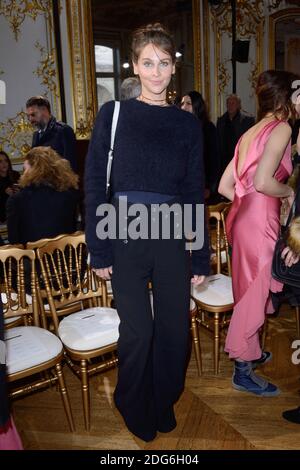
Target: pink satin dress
253	227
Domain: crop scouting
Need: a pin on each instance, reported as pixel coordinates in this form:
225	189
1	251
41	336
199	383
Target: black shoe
292	415
264	358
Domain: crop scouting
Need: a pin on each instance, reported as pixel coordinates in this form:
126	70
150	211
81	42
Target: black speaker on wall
241	51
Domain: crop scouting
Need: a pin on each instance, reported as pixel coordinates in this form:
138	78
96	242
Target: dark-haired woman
255	182
8	182
157	163
194	103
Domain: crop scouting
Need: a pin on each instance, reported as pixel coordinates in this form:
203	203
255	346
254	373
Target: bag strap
112	143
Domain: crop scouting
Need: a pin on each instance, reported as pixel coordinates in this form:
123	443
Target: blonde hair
293	235
48	168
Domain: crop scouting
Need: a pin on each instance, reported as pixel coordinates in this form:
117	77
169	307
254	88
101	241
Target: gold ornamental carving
273	4
249	14
82	67
16	136
253	76
16	11
223	77
47	69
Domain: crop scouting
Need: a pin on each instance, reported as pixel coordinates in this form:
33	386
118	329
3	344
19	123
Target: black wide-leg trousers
152	347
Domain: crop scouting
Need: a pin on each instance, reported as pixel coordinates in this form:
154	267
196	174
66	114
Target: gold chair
91	333
30	349
41	292
10	322
220	258
214	299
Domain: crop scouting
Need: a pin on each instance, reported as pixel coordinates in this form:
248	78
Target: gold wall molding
273	19
253	76
82	69
249	13
16	136
16	11
16	133
274	4
250	24
206	51
47	70
197	45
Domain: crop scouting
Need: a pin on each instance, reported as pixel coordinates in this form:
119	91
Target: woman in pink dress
254	181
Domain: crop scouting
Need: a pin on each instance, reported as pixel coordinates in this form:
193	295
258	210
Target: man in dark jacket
50	132
230	127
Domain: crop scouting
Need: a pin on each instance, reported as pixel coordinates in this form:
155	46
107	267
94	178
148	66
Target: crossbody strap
112	143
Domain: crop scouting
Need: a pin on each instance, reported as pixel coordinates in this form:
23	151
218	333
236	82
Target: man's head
233	104
130	88
38	111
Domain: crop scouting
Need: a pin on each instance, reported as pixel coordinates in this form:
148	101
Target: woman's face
155	69
26	166
186	104
297	106
3	164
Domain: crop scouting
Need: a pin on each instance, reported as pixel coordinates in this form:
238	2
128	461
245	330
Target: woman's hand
289	257
197	280
104	273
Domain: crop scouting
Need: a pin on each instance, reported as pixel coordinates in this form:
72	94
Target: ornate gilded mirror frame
80	33
273	20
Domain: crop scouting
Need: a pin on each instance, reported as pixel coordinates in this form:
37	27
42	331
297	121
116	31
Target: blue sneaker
264	358
245	380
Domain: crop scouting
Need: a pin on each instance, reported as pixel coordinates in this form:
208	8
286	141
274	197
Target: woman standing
8	183
193	102
254	181
157	161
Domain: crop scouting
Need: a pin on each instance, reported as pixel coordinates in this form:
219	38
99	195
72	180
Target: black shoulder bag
281	272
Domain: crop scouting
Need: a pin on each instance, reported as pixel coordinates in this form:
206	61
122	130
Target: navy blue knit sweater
157	149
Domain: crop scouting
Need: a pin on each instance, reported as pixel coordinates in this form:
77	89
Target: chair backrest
217	233
43	241
9	246
67	277
17	267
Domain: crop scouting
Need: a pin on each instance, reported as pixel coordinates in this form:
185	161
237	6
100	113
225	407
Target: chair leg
196	341
216	342
85	393
64	395
297	321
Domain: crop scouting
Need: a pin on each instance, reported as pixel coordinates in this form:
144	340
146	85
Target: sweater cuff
200	265
101	260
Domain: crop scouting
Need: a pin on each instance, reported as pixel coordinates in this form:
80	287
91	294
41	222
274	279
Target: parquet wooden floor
210	414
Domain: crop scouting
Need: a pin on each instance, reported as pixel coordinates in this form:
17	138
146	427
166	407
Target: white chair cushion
216	291
29	346
91	328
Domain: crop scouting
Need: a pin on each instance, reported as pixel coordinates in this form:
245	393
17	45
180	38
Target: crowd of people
164	154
